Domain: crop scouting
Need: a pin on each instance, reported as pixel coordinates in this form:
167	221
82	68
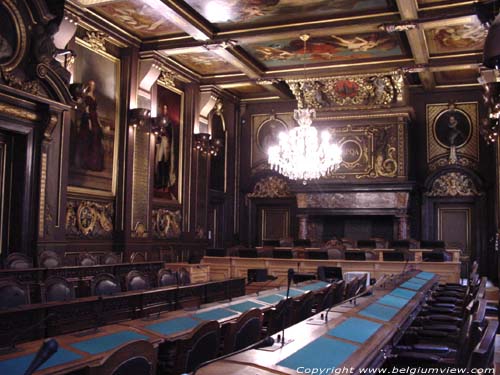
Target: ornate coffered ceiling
238	45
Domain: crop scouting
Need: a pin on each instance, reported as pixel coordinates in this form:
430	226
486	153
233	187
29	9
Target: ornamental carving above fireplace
271	187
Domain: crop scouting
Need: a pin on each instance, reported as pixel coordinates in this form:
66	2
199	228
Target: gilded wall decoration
367	90
88	219
166	223
265	131
452	133
271	187
453	184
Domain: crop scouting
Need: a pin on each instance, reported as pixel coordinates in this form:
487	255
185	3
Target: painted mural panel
456	38
168	150
252	12
325	48
141	18
205	63
95	122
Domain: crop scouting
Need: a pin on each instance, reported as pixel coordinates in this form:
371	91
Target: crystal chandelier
300	153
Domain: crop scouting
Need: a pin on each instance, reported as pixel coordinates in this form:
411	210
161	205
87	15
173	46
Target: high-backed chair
112	258
395	256
200	346
86	260
56	288
327	298
351	288
278	317
248	253
334	253
18	261
12	294
354	255
136	280
283	253
271	243
49	259
426	244
302	243
216	252
483	354
329	274
245	331
302	307
137	257
166	277
317	254
348	242
136	357
184	277
105	284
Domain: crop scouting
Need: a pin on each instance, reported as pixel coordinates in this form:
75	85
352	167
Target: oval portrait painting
268	133
452	128
8	35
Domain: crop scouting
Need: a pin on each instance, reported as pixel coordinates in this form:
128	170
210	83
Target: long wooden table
222	268
79	351
355	339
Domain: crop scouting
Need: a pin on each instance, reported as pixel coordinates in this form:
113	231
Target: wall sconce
215	146
201	142
138	117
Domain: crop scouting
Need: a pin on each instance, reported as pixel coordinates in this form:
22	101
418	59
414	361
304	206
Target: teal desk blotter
172	326
393	301
426	275
215	314
322	352
271	299
403	293
17	366
354	329
291	293
244	306
108	342
379	312
417	281
314	286
410	285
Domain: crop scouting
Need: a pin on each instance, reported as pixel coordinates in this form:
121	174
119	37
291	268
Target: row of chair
50	259
333	253
451	330
55	288
371	243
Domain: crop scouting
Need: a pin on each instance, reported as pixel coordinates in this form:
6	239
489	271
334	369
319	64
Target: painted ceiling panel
327	47
456	38
247	13
205	63
142	18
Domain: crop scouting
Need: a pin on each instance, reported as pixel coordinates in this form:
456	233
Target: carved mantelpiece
354	200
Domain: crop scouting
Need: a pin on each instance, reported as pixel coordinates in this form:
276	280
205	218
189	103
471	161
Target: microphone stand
291	273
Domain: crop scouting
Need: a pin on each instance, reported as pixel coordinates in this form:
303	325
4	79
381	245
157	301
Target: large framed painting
95	122
168	144
449	128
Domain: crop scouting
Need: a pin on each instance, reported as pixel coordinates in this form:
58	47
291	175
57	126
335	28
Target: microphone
47	350
291	274
11	347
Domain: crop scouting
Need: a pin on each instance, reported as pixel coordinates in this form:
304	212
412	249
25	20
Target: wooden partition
227	267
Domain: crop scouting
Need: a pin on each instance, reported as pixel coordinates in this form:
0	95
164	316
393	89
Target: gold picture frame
96	175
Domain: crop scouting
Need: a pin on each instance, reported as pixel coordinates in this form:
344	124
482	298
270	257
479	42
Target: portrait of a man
452	128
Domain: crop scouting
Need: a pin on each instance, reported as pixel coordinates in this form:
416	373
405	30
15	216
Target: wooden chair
18	261
49	259
351	288
136	357
105	284
200	346
278	317
366	244
326	299
302	307
137	257
112	258
483	354
166	277
184	277
57	288
245	331
12	294
136	280
86	260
